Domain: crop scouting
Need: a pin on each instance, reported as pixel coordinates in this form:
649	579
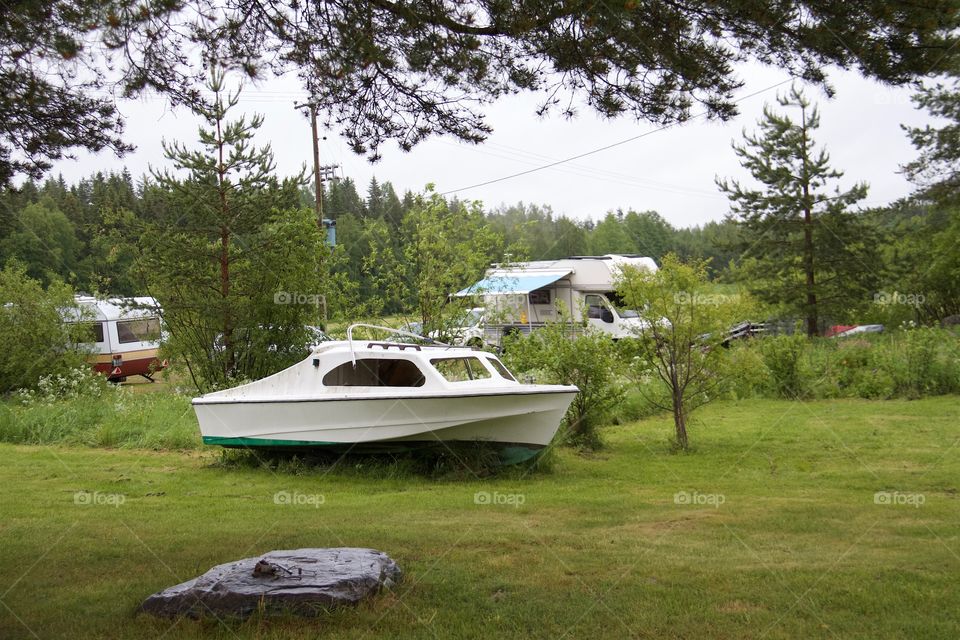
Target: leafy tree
679	339
802	248
916	251
44	241
237	268
447	248
402	71
384	271
651	234
111	257
35	339
611	236
941	280
570	239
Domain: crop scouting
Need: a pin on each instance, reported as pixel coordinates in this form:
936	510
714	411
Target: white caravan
523	296
126	334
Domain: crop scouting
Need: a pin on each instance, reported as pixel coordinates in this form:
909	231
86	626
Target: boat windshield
460	369
501	369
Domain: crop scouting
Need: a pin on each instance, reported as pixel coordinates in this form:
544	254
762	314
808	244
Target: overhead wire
606	147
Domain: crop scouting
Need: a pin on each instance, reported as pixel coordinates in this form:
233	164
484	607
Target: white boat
368	395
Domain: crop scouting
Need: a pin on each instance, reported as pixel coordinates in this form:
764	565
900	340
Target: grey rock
303	582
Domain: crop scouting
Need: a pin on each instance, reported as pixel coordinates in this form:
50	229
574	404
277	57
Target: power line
591	173
606	147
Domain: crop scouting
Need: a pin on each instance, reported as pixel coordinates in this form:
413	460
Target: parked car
845	331
468	331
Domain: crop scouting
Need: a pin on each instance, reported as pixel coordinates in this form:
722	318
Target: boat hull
527	419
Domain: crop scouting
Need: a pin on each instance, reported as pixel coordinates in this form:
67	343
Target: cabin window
595	306
460	369
375	372
617	301
139	330
502	370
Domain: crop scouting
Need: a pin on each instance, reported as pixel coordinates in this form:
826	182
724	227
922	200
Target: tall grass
116	418
909	364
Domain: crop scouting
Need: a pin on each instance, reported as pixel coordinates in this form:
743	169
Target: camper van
126	333
521	297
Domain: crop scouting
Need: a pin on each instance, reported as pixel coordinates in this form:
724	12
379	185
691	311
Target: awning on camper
513	282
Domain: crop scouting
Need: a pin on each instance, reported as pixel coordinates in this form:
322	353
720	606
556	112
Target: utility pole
316	161
320	173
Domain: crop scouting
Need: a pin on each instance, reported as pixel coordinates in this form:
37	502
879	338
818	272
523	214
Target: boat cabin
400	368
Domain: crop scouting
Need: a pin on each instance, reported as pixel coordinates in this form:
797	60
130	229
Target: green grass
599	548
120	418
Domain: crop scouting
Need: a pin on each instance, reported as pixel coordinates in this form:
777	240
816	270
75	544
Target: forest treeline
66	230
76	232
84	234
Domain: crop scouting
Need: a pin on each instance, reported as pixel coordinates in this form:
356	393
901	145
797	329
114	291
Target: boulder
300	581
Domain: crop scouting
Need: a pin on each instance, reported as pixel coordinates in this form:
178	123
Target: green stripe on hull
509	453
516	455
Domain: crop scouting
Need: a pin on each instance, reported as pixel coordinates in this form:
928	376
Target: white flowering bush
79	382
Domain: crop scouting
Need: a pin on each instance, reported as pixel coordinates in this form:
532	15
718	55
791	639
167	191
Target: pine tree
373	208
226	240
804	250
937	174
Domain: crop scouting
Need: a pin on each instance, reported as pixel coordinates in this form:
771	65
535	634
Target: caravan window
375	372
139	330
540	296
92	329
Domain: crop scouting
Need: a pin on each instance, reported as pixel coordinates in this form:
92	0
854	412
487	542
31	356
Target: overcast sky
671	171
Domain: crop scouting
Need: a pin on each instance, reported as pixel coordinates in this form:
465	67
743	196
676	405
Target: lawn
827	519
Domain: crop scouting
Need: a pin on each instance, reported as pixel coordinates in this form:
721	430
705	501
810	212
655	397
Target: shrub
910	363
874	384
746	372
587	360
784	358
35	341
920	361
